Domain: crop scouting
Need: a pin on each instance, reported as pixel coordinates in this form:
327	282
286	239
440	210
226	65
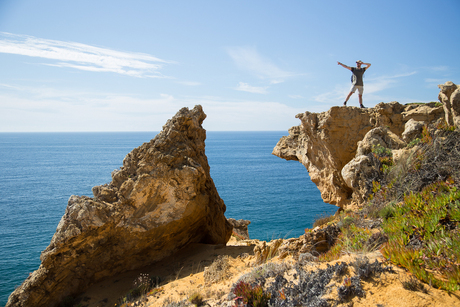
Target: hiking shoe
345	103
362	107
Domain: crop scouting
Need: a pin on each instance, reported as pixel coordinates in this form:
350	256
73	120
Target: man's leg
360	94
348	97
361	101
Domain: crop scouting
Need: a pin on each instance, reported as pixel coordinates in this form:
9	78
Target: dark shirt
357	77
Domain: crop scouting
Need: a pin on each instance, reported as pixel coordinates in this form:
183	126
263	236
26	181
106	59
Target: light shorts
360	89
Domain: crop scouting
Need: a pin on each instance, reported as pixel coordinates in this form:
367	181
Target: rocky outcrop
313	242
449	96
160	200
240	228
335	146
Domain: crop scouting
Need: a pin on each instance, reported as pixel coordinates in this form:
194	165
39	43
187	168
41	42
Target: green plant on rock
427	137
384	155
381	151
444	126
424	236
413	143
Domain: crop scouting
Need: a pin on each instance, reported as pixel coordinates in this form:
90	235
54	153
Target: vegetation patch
323	219
384	156
251	295
352	239
413	284
196	299
424	235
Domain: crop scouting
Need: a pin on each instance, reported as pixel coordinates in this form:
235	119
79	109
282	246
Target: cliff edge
335	145
160	200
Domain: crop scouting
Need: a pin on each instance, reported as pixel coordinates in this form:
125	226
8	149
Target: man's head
358	63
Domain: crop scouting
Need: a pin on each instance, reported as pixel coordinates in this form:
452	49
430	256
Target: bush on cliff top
421	210
424	235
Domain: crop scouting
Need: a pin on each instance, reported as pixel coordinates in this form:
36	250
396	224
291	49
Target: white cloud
296	96
83	57
251	89
247	58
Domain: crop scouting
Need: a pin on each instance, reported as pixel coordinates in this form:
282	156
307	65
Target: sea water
40	171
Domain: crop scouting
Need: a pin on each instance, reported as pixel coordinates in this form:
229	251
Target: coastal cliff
163	199
334	146
160	200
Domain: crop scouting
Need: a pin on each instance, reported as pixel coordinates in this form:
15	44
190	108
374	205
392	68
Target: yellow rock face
159	201
326	142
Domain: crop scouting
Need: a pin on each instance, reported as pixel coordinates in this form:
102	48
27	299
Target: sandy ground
183	275
177	272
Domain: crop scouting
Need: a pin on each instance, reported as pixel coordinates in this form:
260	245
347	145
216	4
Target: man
356	80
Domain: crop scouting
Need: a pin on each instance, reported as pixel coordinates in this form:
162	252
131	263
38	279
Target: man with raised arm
356	80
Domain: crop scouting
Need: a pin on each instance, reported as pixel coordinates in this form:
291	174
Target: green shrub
413	143
423	235
387	212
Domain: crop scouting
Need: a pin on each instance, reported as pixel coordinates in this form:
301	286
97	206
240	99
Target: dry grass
323	220
217	271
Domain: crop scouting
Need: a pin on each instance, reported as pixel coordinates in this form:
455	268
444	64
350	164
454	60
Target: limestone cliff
335	146
160	200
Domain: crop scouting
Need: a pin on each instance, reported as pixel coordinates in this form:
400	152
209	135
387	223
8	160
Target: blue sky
252	65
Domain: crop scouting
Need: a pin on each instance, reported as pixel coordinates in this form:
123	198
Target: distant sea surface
40	171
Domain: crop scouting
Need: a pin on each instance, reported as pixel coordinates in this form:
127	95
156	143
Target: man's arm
367	66
344	66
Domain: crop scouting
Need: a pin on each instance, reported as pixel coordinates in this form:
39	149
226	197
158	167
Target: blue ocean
40	171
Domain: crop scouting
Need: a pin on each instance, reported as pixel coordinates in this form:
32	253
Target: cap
359	61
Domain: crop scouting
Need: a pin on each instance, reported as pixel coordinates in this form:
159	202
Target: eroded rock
240	227
160	200
326	142
449	96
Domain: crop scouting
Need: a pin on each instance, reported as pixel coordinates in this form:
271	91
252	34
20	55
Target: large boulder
160	200
364	168
412	130
326	142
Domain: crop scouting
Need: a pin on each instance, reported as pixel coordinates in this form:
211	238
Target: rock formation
335	146
240	228
160	200
450	98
